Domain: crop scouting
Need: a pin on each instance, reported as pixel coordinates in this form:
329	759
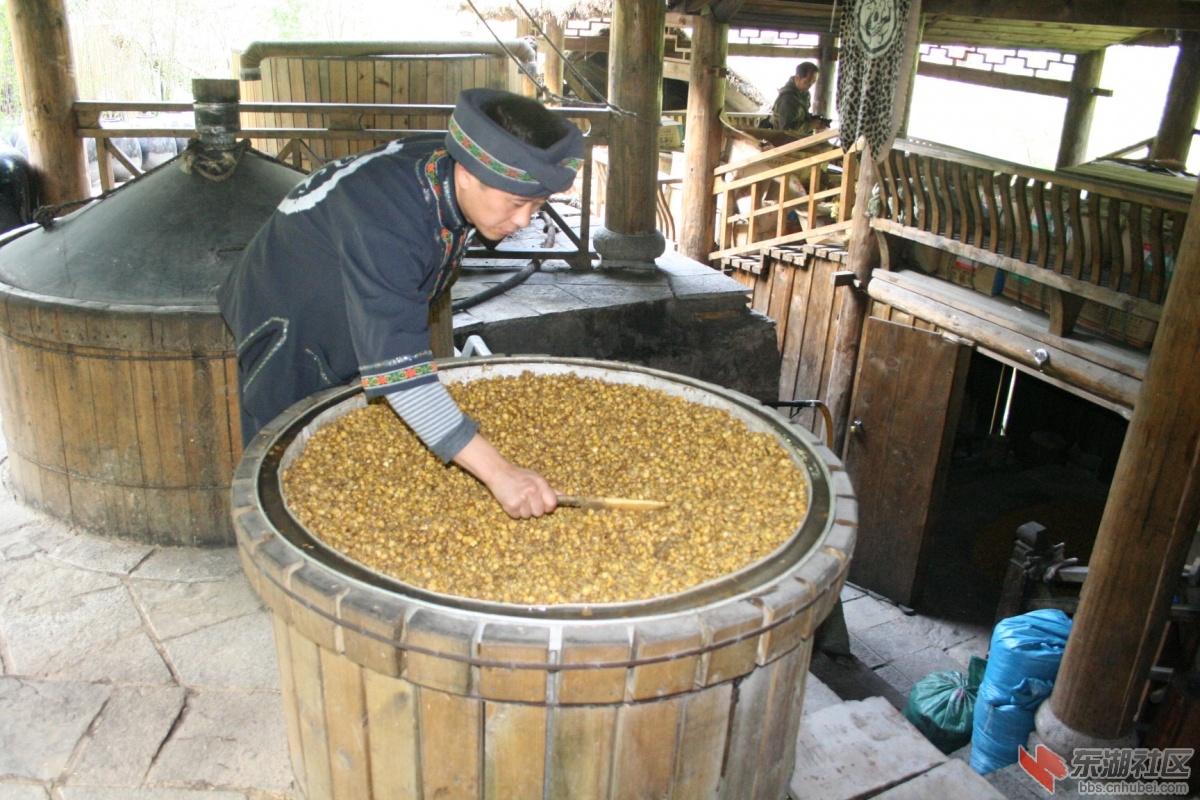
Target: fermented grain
367	487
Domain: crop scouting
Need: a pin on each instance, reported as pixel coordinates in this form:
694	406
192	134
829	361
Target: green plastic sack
942	705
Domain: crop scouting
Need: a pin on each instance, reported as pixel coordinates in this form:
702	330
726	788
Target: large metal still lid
165	239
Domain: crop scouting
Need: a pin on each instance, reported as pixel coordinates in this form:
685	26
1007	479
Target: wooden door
905	410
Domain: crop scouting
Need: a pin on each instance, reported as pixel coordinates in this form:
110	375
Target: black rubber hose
498	289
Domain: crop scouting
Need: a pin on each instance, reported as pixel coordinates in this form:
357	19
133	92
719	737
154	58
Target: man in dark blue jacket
337	284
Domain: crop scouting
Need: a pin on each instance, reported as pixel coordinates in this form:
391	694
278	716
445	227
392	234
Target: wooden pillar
702	136
824	94
46	77
1174	138
525	29
1081	102
864	258
554	65
1148	523
630	237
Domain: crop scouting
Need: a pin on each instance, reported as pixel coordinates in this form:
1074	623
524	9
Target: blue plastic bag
1022	663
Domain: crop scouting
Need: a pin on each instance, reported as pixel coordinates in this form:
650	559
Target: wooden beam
1182	14
1081	102
1149	523
46	77
702	137
995	80
1174	137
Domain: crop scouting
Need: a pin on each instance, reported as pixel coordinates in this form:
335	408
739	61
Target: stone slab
26	537
128	734
10	790
176	608
865	612
954	779
76	625
227	739
190	564
235	654
817	695
856	749
918	665
42	724
85	551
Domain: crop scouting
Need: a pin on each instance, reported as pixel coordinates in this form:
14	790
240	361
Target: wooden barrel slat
512	643
395	747
451	727
514	757
661	639
594	646
775	762
646	749
310	719
290	697
440	649
703	736
579	769
728	624
747	732
343	698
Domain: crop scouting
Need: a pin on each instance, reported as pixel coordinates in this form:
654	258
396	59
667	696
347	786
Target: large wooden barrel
395	692
118	382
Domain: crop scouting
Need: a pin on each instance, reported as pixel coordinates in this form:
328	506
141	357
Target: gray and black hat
500	159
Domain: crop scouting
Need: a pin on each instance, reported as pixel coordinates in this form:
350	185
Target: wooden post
1077	121
528	86
1148	523
630	237
1174	138
864	257
46	76
824	95
702	136
554	65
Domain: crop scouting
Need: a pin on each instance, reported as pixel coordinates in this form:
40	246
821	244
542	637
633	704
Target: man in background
792	109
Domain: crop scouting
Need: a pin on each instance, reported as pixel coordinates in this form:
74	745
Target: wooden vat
391	691
118	383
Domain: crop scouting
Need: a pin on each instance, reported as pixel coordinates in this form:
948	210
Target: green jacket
791	110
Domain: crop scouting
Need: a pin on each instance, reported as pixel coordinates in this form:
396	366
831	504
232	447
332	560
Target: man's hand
522	493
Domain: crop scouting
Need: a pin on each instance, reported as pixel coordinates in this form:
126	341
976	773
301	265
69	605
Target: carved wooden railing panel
1106	242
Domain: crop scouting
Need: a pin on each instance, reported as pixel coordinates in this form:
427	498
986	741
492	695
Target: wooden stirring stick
610	503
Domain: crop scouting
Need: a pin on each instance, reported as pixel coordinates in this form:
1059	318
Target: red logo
1044	768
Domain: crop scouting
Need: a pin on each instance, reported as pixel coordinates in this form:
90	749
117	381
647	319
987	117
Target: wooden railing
341	123
789	195
1084	239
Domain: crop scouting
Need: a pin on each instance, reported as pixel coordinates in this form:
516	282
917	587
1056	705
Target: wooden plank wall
795	288
430	79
